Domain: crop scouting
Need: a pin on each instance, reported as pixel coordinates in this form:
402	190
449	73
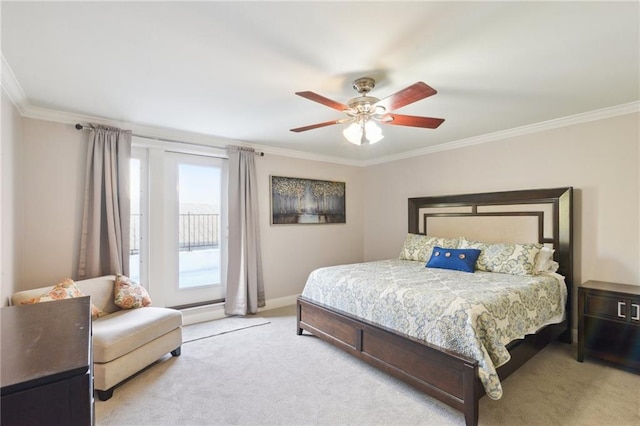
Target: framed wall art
306	201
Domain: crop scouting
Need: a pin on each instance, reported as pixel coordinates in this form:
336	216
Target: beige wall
599	159
10	153
53	183
291	252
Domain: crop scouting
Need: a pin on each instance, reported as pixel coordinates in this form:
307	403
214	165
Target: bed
452	374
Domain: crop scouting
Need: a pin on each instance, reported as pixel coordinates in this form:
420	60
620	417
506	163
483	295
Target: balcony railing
198	231
195	232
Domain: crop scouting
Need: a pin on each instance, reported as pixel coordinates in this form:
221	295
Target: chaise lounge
124	340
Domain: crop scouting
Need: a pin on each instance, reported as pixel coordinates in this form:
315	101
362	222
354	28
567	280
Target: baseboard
280	302
216	311
202	313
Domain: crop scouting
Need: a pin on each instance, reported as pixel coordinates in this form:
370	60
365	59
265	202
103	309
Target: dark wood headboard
560	201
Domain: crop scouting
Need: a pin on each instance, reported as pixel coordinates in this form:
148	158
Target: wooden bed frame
445	375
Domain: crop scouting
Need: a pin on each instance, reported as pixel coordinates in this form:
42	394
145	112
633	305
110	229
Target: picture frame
307	201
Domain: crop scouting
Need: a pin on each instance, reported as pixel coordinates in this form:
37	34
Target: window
178	224
138	223
193	224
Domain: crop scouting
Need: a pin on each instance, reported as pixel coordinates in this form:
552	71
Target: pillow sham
419	247
66	289
553	267
544	260
129	294
505	258
455	259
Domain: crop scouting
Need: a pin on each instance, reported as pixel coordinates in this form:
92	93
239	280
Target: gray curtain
104	244
245	287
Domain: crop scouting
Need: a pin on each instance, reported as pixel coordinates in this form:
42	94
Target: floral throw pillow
66	289
129	294
419	247
505	258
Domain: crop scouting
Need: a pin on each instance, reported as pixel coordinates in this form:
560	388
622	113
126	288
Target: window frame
141	154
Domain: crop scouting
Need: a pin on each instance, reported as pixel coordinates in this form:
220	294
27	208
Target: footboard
444	375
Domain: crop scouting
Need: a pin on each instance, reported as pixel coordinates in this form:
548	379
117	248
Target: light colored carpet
268	375
203	330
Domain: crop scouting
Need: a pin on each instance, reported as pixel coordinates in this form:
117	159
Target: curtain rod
82	127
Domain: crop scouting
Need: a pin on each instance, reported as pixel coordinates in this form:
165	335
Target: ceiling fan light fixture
353	133
363	132
373	132
364	112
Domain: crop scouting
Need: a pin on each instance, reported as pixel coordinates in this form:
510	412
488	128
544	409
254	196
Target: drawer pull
620	305
635	317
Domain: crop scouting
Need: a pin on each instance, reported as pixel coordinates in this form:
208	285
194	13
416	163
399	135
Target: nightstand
609	323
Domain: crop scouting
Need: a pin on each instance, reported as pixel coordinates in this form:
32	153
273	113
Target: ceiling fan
364	111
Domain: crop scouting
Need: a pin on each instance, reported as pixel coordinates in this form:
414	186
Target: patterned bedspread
474	314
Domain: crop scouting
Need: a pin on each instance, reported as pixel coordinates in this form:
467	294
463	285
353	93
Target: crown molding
13	89
624	109
26	110
171	135
149	132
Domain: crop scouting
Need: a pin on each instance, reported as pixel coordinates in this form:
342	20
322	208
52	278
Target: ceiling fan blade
413	121
315	126
407	96
322	100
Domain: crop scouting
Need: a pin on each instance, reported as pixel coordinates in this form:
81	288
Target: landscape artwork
306	201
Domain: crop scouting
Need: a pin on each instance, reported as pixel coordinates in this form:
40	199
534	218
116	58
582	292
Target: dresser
609	323
46	376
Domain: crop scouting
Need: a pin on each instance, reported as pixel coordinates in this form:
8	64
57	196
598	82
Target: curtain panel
104	244
245	287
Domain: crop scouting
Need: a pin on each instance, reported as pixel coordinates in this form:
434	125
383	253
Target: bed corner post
414	212
565	213
298	317
471	394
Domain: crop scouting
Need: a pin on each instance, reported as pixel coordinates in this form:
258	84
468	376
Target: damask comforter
474	314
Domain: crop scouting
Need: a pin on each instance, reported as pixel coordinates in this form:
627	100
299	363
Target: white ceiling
230	69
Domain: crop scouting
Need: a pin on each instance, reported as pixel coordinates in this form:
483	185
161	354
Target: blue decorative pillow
456	259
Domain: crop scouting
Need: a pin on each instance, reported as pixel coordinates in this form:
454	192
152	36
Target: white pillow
544	260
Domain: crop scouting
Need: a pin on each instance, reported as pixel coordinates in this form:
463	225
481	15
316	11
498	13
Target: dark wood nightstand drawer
609	323
614	307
